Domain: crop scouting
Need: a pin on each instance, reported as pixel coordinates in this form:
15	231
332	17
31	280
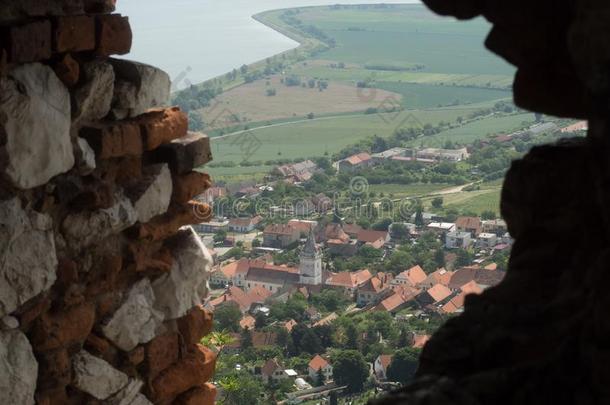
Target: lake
200	39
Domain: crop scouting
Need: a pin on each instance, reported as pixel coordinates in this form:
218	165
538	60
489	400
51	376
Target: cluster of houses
364	160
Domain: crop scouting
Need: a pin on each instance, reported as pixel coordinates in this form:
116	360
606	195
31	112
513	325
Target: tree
351	336
240	388
350	369
464	258
437	202
261	320
227	317
320	378
246	338
305	340
419	216
310	116
400	231
220	236
439	257
243	69
403	366
488	214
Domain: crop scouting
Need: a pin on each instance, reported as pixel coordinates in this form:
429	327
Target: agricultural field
407	190
253	102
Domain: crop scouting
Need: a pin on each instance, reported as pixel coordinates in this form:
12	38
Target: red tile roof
290	324
385	360
247	322
317	363
358	158
280	229
370	236
270	367
349	279
414	275
419	341
468	223
439	292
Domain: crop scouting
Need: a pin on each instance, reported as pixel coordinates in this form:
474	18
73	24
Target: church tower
310	262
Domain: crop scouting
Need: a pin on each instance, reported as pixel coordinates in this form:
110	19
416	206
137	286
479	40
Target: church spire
310	247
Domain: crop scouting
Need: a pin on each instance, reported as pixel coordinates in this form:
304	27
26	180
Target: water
195	40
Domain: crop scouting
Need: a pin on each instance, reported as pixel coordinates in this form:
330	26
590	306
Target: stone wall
541	336
102	279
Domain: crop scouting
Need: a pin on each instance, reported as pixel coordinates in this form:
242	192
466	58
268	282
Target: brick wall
102	278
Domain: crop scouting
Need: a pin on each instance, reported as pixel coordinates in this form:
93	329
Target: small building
472	225
455	240
244	225
433	296
376	239
349	281
318	363
452	155
441	227
280	236
304	226
440	276
411	277
381	157
297	172
212	226
374	289
380	366
497	226
354	163
273	371
487	240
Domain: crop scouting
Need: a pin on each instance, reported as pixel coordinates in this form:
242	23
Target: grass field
325	136
406	190
416	95
486	199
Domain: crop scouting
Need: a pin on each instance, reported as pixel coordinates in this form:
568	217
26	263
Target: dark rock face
540	336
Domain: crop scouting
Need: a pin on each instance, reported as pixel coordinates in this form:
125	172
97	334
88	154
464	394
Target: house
318	363
288	325
303	207
270	277
487	240
399	299
298	172
419	341
452	155
456	304
380	366
349	281
273	371
455	240
409	159
244	300
411	277
303	226
212	226
484	278
471	225
374	289
376	239
352	230
244	225
353	163
440	276
233	273
381	157
441	227
327	320
322	202
497	226
280	236
427	217
434	295
340	247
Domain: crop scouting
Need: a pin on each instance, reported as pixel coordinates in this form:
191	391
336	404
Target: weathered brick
162	352
193	370
205	395
136	356
99	6
185	154
195	324
29	42
74	34
68	70
96	344
63	329
190	185
150	256
178	216
54	369
114	35
163	125
114	140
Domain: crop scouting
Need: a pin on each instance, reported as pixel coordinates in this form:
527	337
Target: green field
417	95
325	136
407	190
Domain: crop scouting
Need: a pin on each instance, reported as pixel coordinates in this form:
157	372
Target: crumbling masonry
101	279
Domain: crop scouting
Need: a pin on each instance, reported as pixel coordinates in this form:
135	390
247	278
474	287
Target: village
299	287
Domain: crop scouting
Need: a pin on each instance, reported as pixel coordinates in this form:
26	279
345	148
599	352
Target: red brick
165	225
68	70
189	185
29	42
205	395
63	329
54	396
99	6
33	311
194	370
195	324
185	154
162	352
163	125
114	140
136	356
54	369
104	275
74	34
129	169
96	344
67	272
114	35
